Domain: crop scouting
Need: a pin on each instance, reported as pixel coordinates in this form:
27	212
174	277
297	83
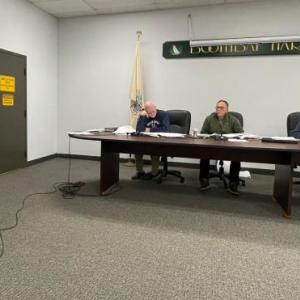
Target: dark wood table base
284	156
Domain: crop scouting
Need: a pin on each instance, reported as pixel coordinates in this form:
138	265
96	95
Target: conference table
284	156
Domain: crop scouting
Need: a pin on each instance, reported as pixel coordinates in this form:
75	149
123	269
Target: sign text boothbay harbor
182	49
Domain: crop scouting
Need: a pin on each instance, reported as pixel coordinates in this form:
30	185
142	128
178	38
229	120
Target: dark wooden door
13	129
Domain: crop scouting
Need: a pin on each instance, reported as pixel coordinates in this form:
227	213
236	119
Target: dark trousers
235	167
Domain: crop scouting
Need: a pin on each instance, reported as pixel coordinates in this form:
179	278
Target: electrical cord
17	214
68	190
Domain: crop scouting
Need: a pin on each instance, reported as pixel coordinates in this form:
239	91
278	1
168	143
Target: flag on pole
136	89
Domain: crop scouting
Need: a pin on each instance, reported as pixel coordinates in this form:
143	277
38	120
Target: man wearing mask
151	120
221	122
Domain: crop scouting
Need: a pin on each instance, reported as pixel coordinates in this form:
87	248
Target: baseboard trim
78	156
39	160
124	160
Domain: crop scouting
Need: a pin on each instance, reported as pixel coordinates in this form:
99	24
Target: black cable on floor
68	190
17	214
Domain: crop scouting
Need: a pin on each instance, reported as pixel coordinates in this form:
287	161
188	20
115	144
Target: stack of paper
165	134
124	130
283	138
237	141
95	130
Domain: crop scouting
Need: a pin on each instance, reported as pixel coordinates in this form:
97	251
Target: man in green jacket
221	122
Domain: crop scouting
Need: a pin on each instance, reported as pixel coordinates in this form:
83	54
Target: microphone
136	133
221	125
221	137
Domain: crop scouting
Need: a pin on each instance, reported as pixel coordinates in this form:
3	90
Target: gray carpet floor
146	241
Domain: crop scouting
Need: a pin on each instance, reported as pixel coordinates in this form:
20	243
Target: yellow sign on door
7	83
8	100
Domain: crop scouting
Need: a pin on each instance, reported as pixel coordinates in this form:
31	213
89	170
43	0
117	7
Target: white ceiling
71	8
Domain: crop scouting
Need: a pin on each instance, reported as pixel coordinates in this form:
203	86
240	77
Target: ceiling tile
63	6
68	8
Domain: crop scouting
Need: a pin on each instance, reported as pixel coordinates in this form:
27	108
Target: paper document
153	134
165	134
283	138
172	134
237	141
232	135
244	174
95	130
124	130
249	136
81	132
203	135
240	136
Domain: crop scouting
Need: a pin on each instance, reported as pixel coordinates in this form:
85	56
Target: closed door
13	132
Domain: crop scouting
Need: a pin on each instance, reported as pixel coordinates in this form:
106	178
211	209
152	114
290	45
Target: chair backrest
239	116
180	121
291	122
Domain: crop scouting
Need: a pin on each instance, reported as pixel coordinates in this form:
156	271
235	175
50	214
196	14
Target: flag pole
136	92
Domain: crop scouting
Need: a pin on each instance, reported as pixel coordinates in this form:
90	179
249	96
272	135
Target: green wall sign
182	49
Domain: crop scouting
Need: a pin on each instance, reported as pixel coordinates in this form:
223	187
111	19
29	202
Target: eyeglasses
220	107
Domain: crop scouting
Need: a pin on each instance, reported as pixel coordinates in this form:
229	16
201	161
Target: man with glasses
221	122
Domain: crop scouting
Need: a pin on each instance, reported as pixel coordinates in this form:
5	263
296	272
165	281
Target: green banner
182	49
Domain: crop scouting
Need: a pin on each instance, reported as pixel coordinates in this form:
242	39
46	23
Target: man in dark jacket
151	120
221	122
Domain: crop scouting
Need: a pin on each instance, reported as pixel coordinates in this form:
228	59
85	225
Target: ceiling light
247	40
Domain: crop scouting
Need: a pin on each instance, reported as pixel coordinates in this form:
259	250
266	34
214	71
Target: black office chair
214	172
180	122
291	122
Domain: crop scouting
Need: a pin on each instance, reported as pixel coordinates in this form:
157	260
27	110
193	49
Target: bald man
151	120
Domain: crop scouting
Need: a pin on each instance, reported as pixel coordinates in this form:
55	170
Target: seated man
221	122
152	120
